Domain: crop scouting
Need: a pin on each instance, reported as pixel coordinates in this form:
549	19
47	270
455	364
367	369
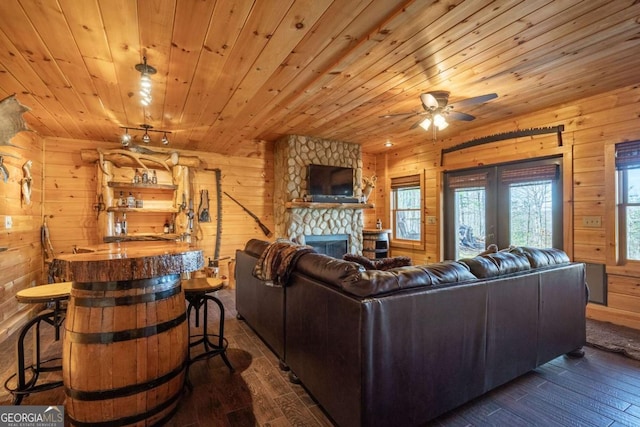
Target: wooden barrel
125	349
375	243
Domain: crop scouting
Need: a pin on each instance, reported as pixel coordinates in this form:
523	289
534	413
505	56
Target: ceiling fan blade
414	113
416	124
472	101
429	102
396	115
456	115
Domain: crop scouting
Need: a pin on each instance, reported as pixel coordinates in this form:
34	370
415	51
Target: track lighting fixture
126	137
146	138
146	71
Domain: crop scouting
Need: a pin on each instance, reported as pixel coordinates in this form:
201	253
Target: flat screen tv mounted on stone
330	184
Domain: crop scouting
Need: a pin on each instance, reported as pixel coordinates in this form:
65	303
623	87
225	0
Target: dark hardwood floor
602	389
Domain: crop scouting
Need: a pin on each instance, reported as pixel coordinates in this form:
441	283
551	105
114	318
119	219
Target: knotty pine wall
21	263
592	127
70	186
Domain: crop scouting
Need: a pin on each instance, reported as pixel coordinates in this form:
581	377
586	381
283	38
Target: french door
516	204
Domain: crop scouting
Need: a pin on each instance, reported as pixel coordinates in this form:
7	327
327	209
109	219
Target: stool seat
202	285
50	293
45	293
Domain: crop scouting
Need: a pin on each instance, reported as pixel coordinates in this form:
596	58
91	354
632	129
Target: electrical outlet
592	221
8	222
431	220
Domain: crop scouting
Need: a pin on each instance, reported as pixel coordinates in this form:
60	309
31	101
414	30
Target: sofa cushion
498	264
328	269
255	247
539	258
378	282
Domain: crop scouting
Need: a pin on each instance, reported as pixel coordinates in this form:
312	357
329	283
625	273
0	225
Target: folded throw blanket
278	261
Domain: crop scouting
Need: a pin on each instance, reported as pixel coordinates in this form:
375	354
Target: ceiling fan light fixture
439	121
425	123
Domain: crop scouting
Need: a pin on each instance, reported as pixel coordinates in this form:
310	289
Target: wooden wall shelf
145	210
114	184
314	205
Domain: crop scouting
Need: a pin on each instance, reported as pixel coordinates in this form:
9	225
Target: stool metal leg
211	348
24	387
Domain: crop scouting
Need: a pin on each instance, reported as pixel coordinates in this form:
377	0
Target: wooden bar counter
126	335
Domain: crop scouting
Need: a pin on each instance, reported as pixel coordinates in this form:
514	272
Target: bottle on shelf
172	224
123	225
145	176
122	202
154	177
379	224
131	201
118	227
136	177
139	202
165	228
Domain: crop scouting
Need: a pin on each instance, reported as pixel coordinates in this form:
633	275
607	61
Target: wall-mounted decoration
368	184
3	170
26	183
11	123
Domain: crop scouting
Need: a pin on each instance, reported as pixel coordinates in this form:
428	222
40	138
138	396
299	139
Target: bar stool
56	293
198	292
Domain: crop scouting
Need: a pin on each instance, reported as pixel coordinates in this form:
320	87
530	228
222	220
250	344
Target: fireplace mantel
316	205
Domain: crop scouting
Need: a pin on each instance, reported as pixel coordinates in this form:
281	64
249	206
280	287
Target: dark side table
198	292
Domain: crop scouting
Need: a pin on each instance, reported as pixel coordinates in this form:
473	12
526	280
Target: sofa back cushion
498	264
539	258
354	279
255	247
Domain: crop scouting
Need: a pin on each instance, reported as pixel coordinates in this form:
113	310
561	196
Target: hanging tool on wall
190	215
218	173
47	247
264	228
99	207
203	208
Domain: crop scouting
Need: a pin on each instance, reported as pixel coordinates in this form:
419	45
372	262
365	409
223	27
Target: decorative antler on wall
26	183
127	158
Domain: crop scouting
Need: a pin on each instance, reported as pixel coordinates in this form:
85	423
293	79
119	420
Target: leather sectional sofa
401	347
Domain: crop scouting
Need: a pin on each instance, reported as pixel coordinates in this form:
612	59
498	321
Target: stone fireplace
298	221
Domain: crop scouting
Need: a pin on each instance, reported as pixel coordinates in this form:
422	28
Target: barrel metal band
130	334
125	300
133	418
123	391
120	285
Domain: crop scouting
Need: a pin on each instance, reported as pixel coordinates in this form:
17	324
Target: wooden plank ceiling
233	72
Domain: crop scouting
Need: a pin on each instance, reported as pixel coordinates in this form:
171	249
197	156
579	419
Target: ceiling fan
437	109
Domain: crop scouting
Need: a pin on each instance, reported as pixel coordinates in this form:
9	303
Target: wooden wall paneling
21	265
593	126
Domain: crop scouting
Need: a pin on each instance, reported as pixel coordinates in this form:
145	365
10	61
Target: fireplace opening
334	245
